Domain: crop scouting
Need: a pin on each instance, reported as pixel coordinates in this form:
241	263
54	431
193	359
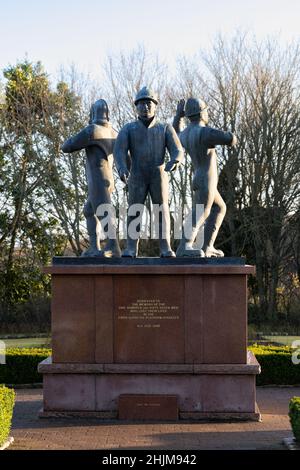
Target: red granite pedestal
127	339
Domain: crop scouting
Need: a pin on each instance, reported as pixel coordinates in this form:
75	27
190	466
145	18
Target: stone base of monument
160	340
151	391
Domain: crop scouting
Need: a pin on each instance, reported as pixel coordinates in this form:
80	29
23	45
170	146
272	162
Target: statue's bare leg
204	197
92	222
111	248
212	226
100	194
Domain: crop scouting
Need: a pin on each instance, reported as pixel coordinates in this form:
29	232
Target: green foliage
21	365
41	192
294	414
25	282
277	367
7	400
26	93
30	318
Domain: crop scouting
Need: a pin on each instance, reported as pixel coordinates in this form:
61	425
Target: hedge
294	414
277	367
7	401
276	364
21	365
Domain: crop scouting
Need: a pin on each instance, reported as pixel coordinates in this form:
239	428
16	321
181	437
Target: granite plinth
112	313
202	391
154	328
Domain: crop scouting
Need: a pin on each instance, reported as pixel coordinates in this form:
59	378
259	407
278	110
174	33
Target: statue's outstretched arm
212	137
77	142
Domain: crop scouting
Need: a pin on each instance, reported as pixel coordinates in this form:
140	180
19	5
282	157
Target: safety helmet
146	94
99	112
194	106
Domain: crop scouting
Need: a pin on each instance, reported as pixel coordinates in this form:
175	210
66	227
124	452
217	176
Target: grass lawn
284	340
26	342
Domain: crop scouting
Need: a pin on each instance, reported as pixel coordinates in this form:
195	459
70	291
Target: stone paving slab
30	432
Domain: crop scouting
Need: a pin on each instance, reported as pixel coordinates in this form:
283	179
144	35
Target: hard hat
99	112
146	94
194	106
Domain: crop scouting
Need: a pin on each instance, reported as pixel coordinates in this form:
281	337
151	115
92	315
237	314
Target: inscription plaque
149	321
148	313
148	407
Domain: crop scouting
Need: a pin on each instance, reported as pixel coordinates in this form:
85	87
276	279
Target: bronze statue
147	140
199	140
98	140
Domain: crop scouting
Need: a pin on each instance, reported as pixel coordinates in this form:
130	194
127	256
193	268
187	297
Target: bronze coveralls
147	147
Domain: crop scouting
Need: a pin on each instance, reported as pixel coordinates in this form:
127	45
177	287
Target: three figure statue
143	143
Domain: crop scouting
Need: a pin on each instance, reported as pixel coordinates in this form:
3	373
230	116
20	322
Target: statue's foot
112	250
168	254
92	252
190	252
165	249
186	250
110	254
128	253
212	252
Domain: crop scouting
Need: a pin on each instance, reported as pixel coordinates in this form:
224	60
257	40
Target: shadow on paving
189	440
264	440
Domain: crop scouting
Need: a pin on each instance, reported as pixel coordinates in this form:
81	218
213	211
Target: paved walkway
30	432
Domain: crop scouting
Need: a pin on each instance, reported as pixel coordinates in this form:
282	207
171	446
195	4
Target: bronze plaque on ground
149	319
148	407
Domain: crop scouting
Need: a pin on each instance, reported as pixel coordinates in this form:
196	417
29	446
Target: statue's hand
171	166
234	141
180	108
124	176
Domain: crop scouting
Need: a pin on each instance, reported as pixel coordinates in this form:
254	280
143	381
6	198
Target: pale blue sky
81	32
